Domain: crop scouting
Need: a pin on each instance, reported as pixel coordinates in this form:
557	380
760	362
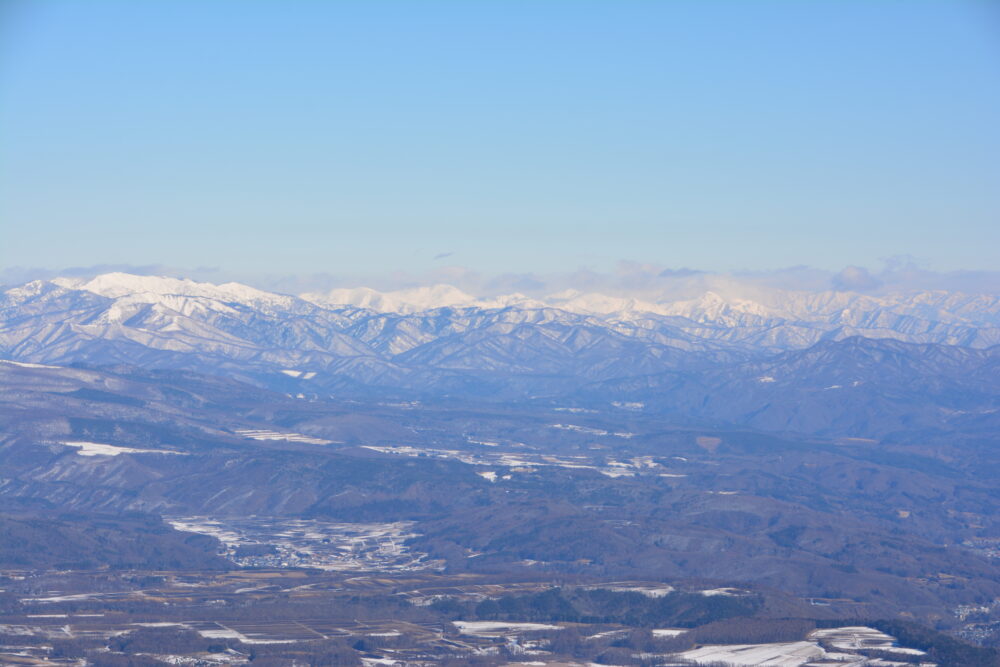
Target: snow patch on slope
100	449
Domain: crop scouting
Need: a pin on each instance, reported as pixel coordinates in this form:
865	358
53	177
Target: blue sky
371	137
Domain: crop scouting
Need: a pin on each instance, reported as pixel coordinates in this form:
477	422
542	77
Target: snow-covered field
668	633
608	467
309	543
726	592
791	654
63	598
843	646
100	449
494	628
266	434
860	637
649	590
213	630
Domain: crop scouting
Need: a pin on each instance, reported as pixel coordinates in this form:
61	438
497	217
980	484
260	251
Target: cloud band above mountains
628	279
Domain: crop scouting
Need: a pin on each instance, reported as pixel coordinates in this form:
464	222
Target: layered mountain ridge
710	357
837	446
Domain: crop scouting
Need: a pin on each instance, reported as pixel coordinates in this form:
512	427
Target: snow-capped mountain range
928	316
119	317
438	341
829	306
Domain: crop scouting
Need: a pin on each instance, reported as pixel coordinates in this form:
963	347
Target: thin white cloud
632	279
855	279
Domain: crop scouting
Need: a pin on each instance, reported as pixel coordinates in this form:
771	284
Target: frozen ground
791	654
498	628
268	542
860	637
668	633
523	459
649	590
267	434
843	647
99	449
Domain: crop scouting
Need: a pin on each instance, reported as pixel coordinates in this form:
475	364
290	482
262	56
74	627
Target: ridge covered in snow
152	289
709	307
366	334
717	354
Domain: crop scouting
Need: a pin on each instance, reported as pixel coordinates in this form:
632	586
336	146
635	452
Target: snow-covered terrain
860	637
267	434
791	654
323	545
498	628
639	354
927	316
99	449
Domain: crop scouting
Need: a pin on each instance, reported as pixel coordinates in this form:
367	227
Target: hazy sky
367	137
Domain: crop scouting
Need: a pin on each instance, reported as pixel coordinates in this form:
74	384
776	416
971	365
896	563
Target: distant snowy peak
157	289
416	300
420	299
401	301
770	306
910	313
708	307
712	307
602	304
515	300
393	337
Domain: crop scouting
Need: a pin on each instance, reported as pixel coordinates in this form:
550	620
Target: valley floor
296	616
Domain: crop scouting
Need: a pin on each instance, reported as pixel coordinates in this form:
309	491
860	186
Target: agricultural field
411	617
324	545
